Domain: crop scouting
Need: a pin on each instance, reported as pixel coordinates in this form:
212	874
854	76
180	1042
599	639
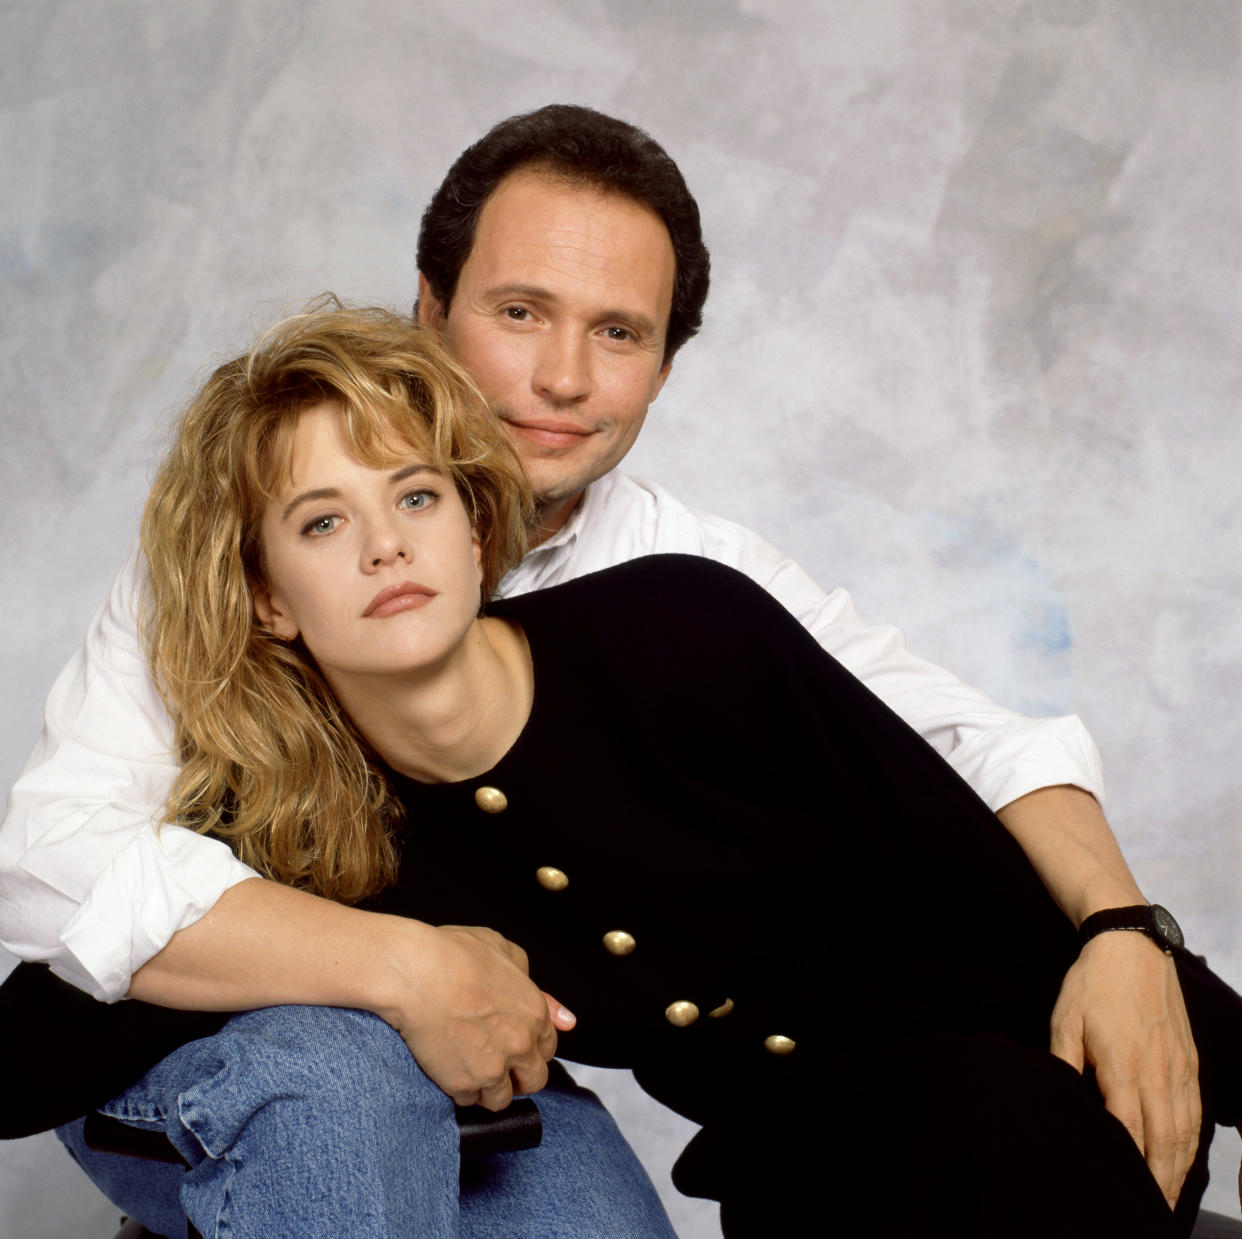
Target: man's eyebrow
533	292
331	492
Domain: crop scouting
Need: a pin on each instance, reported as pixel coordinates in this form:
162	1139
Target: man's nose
563	367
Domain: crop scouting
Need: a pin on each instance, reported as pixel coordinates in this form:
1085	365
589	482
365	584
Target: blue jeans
316	1122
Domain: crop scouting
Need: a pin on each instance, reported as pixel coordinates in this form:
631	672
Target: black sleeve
860	818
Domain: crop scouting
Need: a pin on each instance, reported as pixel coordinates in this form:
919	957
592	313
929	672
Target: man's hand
460	998
1121	1009
476	1023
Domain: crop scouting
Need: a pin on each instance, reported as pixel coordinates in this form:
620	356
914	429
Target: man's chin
553	488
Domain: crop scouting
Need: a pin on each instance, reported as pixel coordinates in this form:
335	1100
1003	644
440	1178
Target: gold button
777	1044
551	879
618	942
491	800
681	1014
718	1013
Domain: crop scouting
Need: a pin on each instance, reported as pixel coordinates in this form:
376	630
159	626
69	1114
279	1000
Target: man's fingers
497	1097
1172	1138
1066	1042
1124	1105
529	1079
562	1018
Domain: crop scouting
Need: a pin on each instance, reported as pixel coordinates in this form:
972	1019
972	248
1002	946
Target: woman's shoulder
650	589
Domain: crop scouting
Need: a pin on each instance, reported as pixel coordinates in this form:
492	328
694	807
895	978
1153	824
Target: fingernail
567	1015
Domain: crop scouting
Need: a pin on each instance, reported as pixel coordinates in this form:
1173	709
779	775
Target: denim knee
333	1068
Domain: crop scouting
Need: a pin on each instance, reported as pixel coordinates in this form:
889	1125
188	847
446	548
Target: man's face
560	316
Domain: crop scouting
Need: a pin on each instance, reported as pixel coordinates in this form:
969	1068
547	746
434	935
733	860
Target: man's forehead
546	184
537	230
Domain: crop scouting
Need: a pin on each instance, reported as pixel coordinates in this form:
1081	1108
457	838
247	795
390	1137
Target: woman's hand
464	1003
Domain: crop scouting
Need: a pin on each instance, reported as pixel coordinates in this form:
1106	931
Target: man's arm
1120	1006
459	996
87	883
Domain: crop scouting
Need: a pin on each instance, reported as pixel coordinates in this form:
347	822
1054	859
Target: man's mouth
547	432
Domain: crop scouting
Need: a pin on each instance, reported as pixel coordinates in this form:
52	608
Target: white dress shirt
88	883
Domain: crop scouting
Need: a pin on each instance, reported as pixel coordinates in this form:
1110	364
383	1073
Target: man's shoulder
656	520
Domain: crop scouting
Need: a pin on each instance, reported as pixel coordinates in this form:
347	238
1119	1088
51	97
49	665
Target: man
562	261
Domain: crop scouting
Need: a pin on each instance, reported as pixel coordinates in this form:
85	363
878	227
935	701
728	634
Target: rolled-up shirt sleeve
90	883
1002	754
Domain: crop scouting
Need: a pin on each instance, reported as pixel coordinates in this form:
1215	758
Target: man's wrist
1150	920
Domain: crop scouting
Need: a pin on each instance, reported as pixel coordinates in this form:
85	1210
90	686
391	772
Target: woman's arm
459	996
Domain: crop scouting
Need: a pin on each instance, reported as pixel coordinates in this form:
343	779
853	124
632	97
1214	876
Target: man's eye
518	313
321	525
619	333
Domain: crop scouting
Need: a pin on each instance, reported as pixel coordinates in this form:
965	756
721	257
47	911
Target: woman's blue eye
321	525
416	500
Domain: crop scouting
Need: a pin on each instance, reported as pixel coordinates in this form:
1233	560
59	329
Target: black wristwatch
1150	919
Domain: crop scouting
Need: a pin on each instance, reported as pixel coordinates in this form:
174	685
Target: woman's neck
451	722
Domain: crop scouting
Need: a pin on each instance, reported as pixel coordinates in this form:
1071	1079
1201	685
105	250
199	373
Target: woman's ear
477	548
269	613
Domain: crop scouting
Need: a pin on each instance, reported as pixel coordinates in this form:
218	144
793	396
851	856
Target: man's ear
431	313
661	376
269	613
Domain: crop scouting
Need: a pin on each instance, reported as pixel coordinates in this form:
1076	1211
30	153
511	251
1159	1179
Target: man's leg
954	1134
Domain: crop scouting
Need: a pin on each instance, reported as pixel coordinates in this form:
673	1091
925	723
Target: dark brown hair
584	147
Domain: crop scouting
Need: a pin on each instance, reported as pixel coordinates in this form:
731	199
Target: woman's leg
298	1121
309	1121
582	1182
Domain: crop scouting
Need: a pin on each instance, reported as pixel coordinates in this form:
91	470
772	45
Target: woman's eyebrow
331	492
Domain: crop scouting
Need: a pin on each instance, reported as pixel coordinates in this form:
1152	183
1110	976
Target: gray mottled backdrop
972	348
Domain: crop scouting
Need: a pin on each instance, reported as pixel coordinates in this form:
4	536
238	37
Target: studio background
971	351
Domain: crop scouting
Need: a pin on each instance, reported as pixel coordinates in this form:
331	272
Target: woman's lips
395	598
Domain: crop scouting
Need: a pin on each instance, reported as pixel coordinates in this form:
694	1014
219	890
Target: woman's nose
387	544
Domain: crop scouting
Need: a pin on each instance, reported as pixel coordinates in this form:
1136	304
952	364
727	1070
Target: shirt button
491	800
777	1044
618	942
681	1014
551	879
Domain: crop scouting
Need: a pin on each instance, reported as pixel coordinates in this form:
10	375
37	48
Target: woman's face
378	570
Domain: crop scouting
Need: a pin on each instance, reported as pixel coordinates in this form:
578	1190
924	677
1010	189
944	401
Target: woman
699	829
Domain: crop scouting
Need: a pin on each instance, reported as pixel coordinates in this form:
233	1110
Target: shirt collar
567	534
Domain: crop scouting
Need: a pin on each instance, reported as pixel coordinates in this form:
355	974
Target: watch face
1166	926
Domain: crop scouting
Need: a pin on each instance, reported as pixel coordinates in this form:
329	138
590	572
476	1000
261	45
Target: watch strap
1149	919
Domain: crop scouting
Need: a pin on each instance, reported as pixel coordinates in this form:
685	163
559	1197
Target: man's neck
550	517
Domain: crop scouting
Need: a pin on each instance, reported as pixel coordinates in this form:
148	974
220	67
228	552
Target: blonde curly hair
269	762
